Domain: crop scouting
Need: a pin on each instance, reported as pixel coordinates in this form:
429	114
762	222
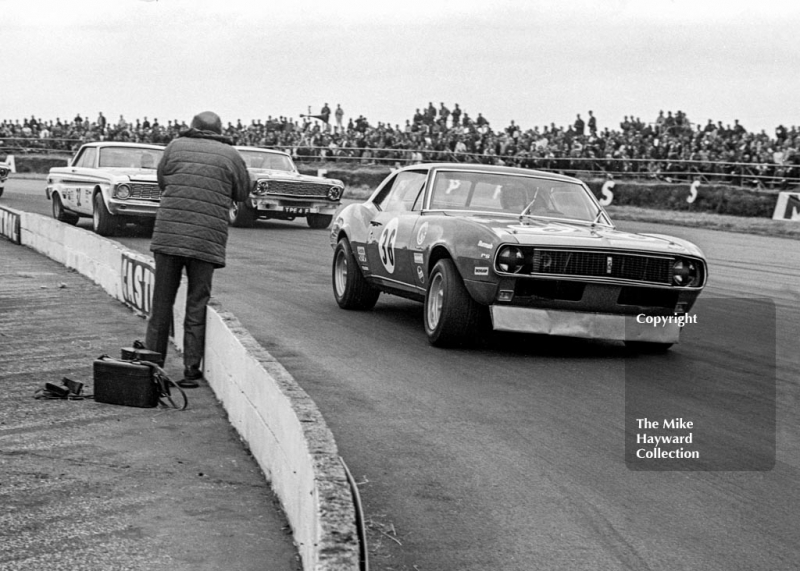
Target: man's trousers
168	277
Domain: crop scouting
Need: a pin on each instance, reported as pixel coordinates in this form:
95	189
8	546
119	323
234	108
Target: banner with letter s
138	278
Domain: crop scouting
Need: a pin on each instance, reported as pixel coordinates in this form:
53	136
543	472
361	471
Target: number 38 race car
522	250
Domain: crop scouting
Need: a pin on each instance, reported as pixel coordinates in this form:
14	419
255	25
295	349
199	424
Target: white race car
281	192
113	183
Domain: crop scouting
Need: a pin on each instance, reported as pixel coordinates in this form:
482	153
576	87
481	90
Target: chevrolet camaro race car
281	192
113	183
514	249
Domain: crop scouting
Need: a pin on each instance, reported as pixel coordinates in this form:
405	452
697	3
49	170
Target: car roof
261	149
477	167
123	144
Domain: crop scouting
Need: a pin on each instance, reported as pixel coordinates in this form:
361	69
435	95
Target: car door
392	228
78	184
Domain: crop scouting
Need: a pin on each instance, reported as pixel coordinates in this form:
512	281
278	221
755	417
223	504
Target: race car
511	249
113	183
281	192
5	170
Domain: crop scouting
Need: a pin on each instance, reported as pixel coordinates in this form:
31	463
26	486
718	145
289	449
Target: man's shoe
188	383
190	378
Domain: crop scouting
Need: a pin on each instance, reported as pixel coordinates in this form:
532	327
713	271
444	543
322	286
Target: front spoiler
144	209
584	325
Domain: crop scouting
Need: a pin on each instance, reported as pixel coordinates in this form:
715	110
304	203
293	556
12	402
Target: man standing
579	126
199	174
339	114
325	115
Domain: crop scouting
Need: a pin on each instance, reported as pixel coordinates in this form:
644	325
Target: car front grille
635	267
143	191
298	189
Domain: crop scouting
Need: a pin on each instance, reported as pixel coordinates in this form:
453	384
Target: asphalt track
512	455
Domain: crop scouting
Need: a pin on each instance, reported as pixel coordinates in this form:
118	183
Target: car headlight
262	186
686	273
510	259
122	192
334	193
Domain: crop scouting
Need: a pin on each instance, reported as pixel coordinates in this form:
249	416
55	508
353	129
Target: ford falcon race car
113	183
516	249
281	192
5	170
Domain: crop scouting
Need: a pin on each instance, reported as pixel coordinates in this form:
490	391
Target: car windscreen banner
10	224
138	277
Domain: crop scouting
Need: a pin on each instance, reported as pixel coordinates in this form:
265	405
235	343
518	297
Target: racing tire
451	316
60	214
647	347
103	222
319	221
241	215
350	287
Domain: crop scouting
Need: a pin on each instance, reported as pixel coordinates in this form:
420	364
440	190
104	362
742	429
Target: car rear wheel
451	316
60	214
241	215
103	222
319	221
350	287
647	347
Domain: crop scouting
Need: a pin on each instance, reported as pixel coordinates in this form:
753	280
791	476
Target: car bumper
584	325
140	208
294	207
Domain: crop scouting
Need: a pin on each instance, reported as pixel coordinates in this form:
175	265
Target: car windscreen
129	157
511	194
272	161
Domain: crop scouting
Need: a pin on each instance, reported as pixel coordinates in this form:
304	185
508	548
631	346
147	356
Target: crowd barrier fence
763	175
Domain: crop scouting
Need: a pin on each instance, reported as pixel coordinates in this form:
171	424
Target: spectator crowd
670	147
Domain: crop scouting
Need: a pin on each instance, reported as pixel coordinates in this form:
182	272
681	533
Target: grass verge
726	223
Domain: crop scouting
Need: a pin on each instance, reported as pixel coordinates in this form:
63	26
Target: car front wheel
451	316
60	214
350	288
319	221
241	215
103	221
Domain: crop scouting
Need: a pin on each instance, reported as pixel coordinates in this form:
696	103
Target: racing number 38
386	244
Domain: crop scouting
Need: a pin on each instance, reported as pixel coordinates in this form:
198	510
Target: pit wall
274	416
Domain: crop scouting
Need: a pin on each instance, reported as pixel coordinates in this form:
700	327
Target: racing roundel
423	232
386	245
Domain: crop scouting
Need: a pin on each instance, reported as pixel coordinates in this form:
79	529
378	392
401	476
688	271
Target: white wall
274	416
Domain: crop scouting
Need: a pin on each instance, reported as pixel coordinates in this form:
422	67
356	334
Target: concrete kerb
273	415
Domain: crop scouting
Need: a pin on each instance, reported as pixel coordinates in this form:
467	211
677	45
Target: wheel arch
339	234
98	190
438	252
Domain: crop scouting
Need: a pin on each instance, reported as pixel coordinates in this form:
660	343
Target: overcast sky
534	61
